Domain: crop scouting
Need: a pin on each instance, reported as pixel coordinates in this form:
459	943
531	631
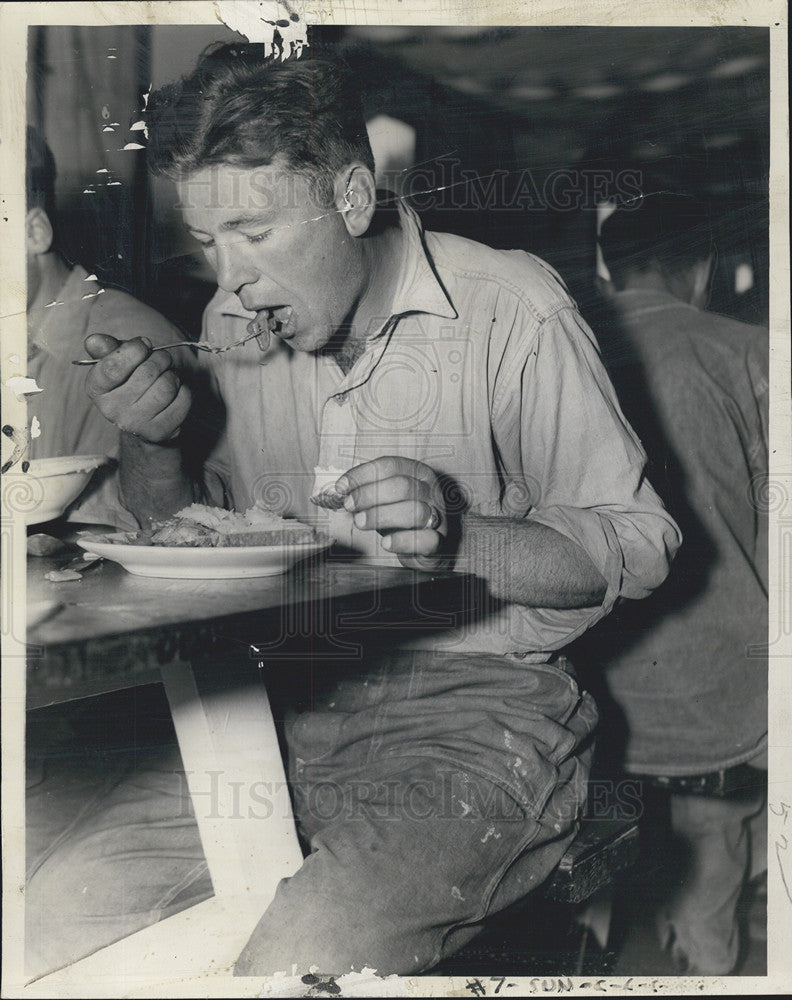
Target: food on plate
200	526
327	496
62	575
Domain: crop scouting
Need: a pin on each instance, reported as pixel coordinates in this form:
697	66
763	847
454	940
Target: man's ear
356	198
38	232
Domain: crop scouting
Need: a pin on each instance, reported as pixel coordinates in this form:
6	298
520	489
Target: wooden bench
602	851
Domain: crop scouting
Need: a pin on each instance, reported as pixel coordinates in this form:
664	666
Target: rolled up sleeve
583	466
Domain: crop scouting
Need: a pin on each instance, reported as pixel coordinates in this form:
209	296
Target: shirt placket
338	446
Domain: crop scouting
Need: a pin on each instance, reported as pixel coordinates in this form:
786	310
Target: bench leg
236	779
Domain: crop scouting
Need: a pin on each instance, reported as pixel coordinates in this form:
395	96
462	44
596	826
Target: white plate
231	563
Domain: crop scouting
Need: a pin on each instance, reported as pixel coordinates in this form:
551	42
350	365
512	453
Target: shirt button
341	398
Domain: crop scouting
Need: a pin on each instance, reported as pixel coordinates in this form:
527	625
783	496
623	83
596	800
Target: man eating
461	394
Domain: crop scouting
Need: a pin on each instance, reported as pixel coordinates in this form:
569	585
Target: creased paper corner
259	20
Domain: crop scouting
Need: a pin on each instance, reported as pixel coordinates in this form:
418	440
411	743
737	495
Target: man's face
286	258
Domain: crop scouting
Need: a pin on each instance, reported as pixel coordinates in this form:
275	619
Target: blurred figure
72	752
686	667
64	305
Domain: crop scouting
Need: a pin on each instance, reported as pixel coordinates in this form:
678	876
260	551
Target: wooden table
112	630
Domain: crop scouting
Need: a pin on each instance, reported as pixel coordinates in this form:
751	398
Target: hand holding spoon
254	331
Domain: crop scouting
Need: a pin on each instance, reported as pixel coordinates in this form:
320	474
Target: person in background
688	667
65	305
404	360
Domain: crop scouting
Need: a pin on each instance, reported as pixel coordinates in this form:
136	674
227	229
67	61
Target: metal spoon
209	348
162	347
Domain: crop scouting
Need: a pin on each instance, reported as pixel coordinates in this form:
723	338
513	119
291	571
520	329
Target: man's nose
233	271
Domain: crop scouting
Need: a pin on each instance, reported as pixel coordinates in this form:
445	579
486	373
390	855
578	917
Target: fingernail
360	520
147	342
349	503
342	486
387	542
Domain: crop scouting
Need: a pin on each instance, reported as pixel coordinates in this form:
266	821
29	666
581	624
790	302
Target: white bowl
51	484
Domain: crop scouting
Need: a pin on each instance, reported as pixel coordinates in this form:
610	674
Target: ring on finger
434	519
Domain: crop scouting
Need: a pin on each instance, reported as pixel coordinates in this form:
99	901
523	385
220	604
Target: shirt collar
418	289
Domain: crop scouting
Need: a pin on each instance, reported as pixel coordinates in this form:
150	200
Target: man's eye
258	237
205	244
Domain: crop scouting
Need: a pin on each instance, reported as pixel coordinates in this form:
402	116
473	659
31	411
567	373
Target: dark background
527	129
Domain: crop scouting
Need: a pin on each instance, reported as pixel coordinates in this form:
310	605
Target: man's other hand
136	389
403	500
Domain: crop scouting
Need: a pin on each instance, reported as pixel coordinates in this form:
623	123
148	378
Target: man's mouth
276	320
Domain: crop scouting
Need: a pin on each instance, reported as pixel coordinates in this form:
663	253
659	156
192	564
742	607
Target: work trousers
430	791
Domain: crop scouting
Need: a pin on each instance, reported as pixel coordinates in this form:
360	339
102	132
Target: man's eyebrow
244	220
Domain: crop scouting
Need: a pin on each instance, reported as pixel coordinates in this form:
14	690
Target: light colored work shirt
688	666
485	371
66	419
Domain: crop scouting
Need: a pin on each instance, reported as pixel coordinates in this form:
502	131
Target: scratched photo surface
522	138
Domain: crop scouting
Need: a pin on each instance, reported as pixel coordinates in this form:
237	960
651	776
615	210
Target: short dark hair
243	106
40	173
665	229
